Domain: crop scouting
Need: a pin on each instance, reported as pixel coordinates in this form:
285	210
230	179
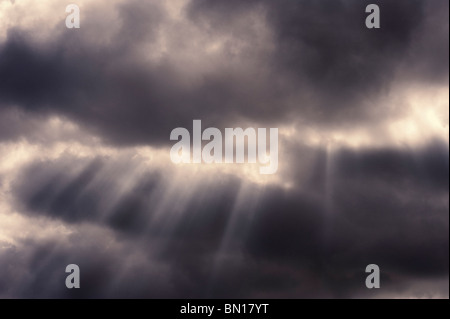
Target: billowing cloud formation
86	178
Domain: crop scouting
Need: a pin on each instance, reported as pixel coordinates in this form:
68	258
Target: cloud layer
86	178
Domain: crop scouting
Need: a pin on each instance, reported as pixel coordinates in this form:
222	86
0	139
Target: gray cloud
315	72
140	231
387	207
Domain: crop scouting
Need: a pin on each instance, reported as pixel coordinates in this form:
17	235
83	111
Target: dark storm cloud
56	190
427	169
323	47
37	270
60	193
325	65
128	102
427	58
328	60
388	207
346	209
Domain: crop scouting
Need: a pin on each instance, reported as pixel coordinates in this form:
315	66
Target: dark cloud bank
386	206
325	66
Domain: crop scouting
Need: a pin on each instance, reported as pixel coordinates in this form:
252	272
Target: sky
85	170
